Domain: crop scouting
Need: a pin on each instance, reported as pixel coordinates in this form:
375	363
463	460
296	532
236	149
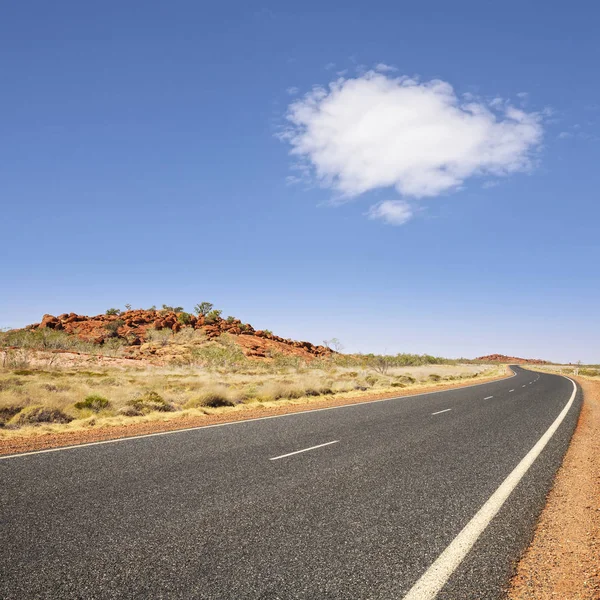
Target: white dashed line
488	397
511	390
304	450
439	412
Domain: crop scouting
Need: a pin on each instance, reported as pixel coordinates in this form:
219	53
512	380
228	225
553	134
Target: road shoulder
563	559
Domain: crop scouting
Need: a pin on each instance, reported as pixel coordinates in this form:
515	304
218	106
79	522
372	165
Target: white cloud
383	68
292	91
392	212
377	131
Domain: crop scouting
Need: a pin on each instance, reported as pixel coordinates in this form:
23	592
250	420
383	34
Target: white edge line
439	412
302	412
436	576
304	450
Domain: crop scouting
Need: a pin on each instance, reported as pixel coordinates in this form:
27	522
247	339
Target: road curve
353	502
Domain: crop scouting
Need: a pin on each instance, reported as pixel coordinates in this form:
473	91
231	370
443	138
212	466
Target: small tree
334	344
128	306
184	318
204	308
113	311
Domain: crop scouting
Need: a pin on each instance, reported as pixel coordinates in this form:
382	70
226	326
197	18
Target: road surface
363	501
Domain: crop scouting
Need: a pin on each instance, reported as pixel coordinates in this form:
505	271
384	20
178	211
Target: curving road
364	501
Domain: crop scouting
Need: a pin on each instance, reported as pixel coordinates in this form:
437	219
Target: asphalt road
223	513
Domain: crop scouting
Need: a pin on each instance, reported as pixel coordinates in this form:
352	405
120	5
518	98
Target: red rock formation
132	326
512	359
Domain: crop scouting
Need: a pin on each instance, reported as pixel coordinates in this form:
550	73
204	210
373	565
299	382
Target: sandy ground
173	421
563	560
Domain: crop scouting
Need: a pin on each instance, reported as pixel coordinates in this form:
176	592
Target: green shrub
397	384
230	319
213	316
589	372
184	318
435	377
113	311
93	402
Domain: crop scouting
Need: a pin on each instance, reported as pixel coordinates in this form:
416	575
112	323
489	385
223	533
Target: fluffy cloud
377	131
392	212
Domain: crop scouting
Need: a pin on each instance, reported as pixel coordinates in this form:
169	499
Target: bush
33	415
150	402
93	402
371	380
434	377
397	384
589	372
113	327
212	399
113	311
184	318
213	316
7	413
230	319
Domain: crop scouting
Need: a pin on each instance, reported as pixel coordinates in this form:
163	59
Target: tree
113	311
203	308
334	344
128	306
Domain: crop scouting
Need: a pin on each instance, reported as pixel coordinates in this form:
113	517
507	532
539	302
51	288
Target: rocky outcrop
132	327
512	359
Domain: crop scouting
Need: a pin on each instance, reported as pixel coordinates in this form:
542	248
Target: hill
502	358
135	329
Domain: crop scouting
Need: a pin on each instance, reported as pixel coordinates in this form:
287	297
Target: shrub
589	372
434	377
150	402
371	380
397	384
113	327
212	399
7	413
203	308
230	319
113	311
268	332
33	415
213	316
184	318
93	402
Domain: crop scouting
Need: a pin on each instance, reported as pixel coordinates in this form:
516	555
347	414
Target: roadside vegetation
50	380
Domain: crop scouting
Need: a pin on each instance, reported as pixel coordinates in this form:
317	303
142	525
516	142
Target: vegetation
203	308
113	311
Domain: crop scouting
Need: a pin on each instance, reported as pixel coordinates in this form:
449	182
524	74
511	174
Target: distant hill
512	359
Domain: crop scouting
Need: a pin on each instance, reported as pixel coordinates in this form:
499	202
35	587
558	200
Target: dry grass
143	392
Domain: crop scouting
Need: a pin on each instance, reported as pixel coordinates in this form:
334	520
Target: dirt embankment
563	560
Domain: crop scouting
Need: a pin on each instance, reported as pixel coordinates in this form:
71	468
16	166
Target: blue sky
145	159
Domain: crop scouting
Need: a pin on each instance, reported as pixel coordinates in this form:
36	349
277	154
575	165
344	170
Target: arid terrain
156	369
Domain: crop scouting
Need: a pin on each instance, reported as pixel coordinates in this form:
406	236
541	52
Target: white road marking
174	431
434	579
488	397
524	386
511	390
304	450
439	412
